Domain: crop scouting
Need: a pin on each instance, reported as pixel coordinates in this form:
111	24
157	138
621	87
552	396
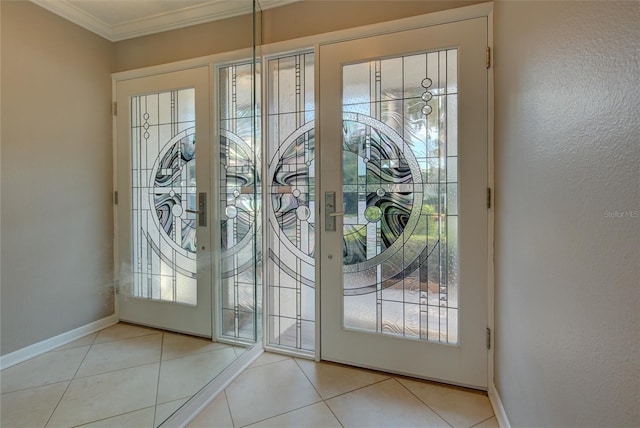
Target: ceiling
117	20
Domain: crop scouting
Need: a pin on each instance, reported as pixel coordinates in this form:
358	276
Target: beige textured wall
185	43
288	22
567	160
57	220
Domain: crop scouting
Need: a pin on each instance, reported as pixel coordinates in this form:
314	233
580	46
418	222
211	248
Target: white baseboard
47	345
188	412
498	409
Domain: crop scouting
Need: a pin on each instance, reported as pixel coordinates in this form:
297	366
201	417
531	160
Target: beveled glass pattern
291	199
241	253
400	196
163	187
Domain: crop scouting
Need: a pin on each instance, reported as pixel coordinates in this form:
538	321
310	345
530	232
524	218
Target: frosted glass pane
291	201
163	170
356	86
391	73
452	71
360	311
399	249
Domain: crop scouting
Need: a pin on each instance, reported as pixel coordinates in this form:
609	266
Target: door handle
330	213
202	209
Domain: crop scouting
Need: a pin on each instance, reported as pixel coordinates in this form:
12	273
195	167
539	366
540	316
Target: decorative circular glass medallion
303	213
231	211
176	210
373	214
380	192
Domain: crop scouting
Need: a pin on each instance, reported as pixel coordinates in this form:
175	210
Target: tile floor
122	376
129	376
279	391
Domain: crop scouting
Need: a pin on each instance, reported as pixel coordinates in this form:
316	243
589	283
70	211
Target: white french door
403	169
163	184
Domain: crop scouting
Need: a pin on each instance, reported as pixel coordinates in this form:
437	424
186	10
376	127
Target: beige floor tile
215	415
180	345
51	367
268	358
122	331
163	411
137	419
31	407
83	341
121	354
489	423
385	404
183	377
315	415
269	390
458	407
102	396
331	380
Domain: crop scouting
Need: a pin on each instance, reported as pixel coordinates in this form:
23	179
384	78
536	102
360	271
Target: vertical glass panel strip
163	180
400	196
239	200
291	201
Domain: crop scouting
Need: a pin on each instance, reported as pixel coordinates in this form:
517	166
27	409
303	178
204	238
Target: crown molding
77	16
192	15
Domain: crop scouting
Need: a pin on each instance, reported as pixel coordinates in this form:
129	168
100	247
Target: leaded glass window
400	196
291	201
163	174
241	255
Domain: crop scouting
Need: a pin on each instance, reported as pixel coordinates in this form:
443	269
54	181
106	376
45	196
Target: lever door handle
202	209
340	214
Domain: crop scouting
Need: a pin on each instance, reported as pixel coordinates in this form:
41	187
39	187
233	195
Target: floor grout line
226	399
69	385
333	413
358	388
36	386
483	421
117	370
428	406
196	353
307	377
155	407
272	362
283	413
109	417
125	338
